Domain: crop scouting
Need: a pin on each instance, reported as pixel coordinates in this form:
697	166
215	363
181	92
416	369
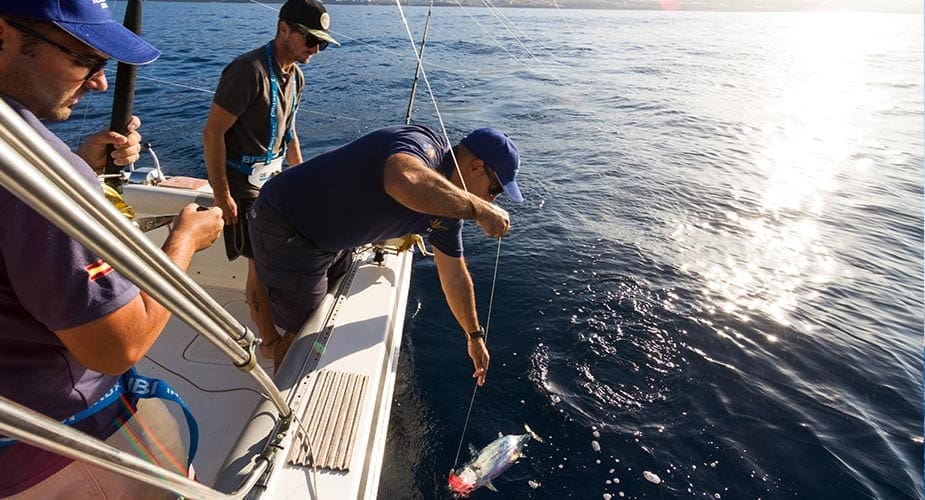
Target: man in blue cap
391	182
70	325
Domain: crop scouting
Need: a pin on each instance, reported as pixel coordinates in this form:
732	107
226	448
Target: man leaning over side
251	130
69	324
388	183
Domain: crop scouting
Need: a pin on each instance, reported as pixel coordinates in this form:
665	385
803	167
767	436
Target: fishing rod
417	71
124	96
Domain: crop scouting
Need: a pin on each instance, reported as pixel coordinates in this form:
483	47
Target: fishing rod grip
124	96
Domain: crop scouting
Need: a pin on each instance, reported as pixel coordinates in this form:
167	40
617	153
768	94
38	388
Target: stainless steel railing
41	178
36	429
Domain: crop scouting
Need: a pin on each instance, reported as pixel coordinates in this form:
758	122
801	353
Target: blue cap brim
513	191
114	40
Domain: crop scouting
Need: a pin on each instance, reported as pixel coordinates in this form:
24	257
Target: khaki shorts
79	481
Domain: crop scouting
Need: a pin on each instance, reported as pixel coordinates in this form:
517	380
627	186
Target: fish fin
491	487
472	450
532	434
500	435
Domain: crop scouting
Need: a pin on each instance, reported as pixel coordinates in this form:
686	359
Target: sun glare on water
772	252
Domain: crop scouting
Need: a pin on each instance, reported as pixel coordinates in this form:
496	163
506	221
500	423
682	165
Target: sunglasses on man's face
93	64
495	188
312	40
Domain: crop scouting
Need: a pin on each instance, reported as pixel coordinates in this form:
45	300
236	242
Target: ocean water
716	277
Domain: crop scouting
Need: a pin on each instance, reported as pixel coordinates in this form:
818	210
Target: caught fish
490	462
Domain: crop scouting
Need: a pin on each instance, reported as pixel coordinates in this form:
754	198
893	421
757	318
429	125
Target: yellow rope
117	201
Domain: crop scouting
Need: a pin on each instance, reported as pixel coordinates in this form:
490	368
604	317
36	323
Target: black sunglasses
310	40
93	64
496	188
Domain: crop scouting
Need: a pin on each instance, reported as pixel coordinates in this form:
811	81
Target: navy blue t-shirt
49	282
337	199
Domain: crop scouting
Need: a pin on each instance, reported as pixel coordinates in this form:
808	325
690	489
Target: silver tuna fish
489	463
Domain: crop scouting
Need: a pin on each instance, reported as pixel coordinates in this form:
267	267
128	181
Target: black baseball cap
310	16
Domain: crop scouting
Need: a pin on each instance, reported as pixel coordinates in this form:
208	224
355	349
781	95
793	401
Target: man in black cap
70	325
251	131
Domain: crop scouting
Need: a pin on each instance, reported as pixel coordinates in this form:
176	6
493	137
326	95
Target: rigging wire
430	91
389	52
264	5
501	18
564	19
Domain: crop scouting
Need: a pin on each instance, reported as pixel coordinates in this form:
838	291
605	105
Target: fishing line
494	278
491	302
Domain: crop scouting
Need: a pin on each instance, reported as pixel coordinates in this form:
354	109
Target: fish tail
532	434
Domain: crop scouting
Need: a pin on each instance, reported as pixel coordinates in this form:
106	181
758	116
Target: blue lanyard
274	90
245	165
140	387
274	100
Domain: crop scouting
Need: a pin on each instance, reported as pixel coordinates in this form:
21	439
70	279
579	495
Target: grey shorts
295	272
237	235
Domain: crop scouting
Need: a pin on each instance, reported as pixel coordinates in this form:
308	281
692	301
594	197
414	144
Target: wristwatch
478	334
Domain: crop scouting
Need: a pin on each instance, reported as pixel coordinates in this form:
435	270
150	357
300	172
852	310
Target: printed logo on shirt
437	225
430	151
97	270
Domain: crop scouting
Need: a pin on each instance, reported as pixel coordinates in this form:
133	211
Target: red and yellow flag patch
97	270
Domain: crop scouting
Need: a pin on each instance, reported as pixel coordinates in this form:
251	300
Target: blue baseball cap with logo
500	154
89	21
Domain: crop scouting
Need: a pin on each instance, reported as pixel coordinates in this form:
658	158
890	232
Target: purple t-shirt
49	282
337	199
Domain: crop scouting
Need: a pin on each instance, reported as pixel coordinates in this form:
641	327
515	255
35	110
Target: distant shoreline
667	5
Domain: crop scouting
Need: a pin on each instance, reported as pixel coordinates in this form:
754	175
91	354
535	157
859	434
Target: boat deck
219	395
354	336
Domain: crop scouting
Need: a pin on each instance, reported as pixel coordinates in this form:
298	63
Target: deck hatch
330	421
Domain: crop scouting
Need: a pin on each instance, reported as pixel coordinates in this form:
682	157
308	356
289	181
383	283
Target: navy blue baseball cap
89	21
500	153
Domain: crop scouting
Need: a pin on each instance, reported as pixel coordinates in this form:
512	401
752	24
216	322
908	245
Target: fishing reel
146	176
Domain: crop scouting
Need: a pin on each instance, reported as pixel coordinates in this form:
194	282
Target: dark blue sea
716	279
